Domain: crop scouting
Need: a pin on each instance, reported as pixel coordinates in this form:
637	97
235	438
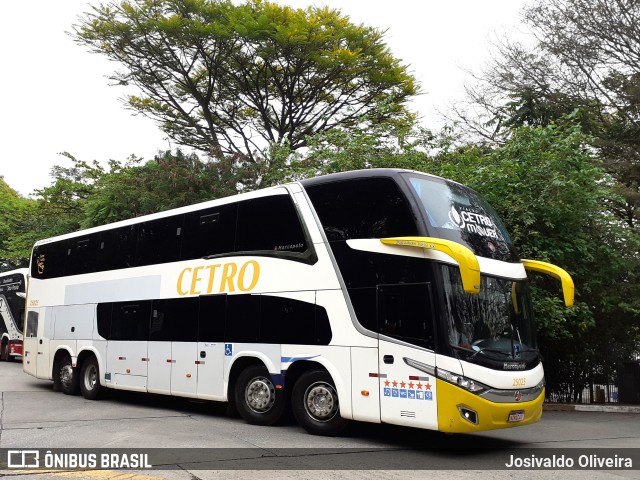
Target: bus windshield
455	212
497	324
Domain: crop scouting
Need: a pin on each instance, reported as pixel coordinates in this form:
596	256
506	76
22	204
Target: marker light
468	414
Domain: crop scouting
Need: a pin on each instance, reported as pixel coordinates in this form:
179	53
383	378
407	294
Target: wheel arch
240	363
299	367
61	352
87	352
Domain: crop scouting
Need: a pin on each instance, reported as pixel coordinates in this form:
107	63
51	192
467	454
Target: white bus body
267	298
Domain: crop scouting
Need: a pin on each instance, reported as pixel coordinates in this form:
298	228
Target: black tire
65	377
4	352
256	398
315	404
90	379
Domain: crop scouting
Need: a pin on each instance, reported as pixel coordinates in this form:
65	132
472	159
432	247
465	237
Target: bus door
127	348
405	351
36	344
211	347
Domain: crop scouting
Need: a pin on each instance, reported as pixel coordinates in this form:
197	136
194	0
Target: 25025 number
519	382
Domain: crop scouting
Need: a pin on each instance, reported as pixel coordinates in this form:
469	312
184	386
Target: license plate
516	416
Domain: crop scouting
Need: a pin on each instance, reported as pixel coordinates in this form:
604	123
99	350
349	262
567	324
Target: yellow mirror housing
467	261
568	289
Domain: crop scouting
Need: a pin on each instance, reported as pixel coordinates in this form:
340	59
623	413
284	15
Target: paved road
33	416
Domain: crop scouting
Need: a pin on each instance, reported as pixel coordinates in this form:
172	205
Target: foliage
585	58
169	181
233	79
13	209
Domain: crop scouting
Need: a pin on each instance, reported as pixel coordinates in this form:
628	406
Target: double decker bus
385	296
13	286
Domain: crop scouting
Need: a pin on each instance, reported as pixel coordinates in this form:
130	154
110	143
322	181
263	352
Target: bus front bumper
481	414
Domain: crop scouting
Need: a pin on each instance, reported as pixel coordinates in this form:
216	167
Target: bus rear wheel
256	398
65	377
315	404
90	379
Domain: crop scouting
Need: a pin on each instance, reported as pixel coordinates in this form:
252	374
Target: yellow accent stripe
514	298
568	289
467	261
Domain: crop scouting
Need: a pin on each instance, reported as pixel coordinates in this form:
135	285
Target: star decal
386	383
419	385
402	384
410	384
394	383
427	386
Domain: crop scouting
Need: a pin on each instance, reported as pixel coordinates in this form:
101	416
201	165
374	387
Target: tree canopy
233	79
13	208
585	58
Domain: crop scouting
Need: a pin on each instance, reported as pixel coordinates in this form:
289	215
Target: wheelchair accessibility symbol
228	349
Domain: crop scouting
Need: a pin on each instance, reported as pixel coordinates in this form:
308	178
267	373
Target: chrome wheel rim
90	377
260	394
321	401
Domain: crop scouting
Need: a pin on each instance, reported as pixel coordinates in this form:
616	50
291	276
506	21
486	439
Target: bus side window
323	327
211	318
130	321
174	319
404	312
363	208
49	260
243	319
209	232
269	224
81	255
287	321
32	324
159	240
364	304
117	248
104	320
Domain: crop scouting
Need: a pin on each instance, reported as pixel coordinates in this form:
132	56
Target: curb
607	408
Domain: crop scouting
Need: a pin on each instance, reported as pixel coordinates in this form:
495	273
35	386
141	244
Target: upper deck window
267	225
362	208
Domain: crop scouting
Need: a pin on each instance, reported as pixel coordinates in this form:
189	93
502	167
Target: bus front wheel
315	404
256	398
90	379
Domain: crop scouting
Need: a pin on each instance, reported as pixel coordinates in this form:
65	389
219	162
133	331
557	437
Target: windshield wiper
490	350
476	352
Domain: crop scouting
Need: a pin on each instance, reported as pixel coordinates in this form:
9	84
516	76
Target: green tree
585	57
171	180
234	79
13	210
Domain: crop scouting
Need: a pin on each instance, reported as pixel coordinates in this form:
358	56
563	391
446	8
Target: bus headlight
464	382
